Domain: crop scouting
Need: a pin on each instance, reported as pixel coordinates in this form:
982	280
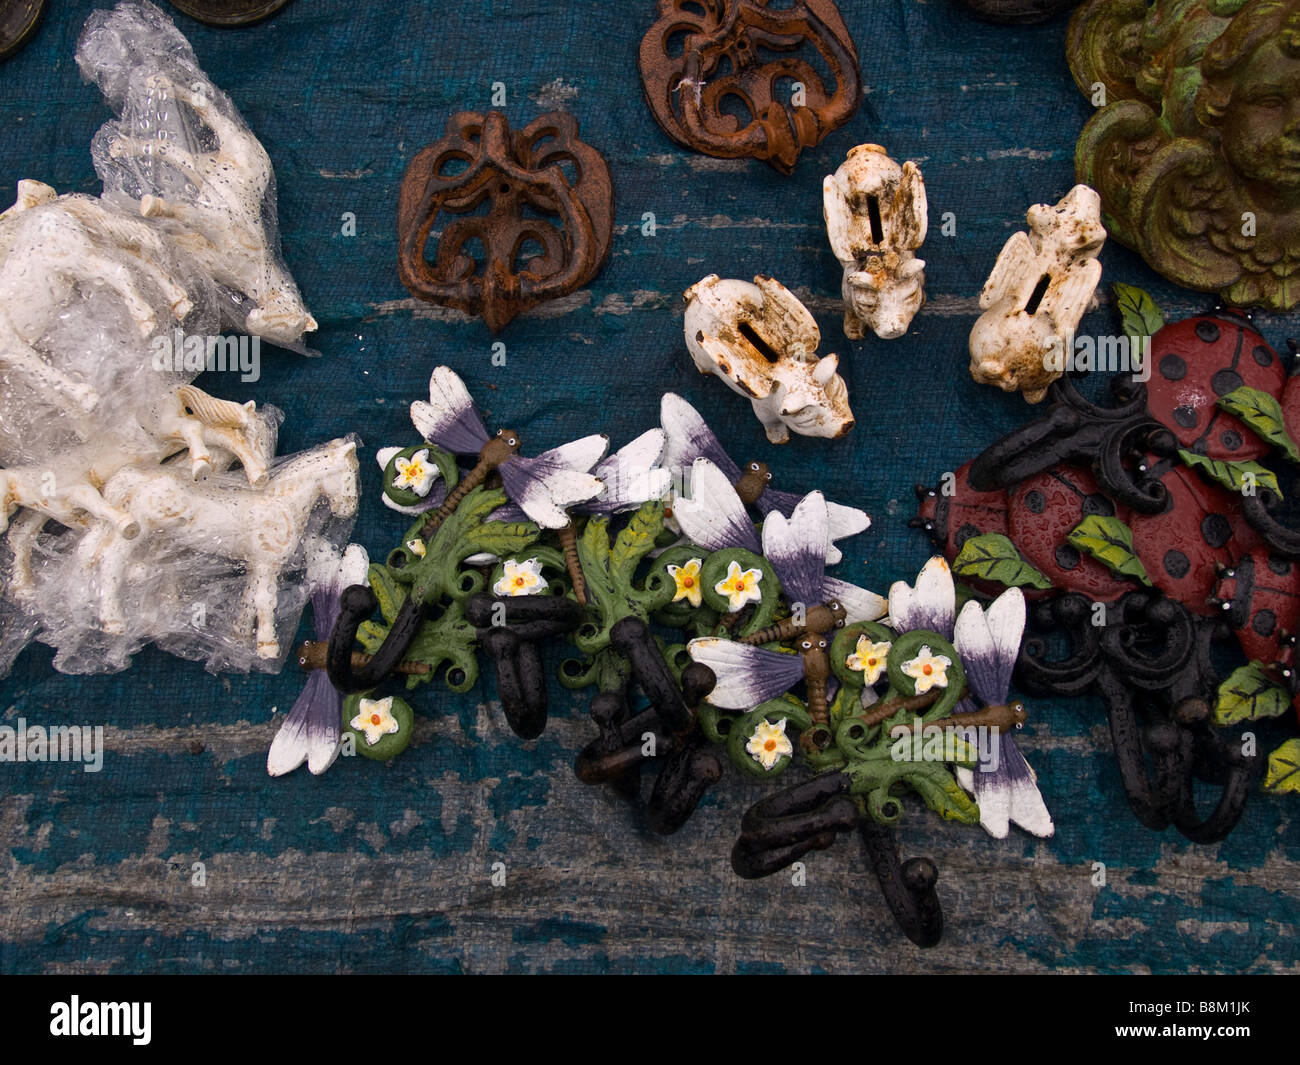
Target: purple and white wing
450	418
631	476
714	516
844	521
931	604
314	726
747	676
689	438
312	730
796	547
859	604
1009	794
545	491
989	642
580	455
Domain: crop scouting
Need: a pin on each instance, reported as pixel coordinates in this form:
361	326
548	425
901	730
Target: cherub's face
1261	130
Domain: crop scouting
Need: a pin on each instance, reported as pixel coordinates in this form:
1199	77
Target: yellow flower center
770	745
927	669
375	719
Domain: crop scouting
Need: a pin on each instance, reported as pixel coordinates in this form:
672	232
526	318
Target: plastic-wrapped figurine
179	523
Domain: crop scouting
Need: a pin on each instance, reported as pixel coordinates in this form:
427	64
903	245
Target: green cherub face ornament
1195	148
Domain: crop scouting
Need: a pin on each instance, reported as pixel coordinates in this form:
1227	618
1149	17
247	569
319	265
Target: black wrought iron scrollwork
1075	429
785	826
1149	662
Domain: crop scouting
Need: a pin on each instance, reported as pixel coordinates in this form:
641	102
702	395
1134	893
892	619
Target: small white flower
869	658
739	586
520	578
769	744
415	474
375	719
928	670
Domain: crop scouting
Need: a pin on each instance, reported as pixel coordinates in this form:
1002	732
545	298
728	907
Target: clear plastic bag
134	507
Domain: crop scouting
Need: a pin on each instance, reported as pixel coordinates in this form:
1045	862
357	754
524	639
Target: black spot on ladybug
1216	530
1225	381
1207	331
1185	416
1263	355
1230	439
1035	501
1176	564
1098	504
1279	565
1067	556
1264	622
964	534
1172	368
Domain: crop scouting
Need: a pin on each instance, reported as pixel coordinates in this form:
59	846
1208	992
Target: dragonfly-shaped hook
749	675
629	477
988	642
689	438
797	546
543	487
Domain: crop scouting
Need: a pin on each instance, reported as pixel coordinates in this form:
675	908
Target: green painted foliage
1110	542
1240	477
1263	413
1248	695
993	557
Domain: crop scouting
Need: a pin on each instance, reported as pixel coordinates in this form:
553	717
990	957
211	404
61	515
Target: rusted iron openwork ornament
702	64
546	229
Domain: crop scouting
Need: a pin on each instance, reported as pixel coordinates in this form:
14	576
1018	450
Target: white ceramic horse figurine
216	432
54	244
188	415
222	230
261	528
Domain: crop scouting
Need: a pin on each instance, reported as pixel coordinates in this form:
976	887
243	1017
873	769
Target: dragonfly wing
632	475
689	438
450	418
989	642
844	521
714	517
544	491
747	676
579	455
796	546
770	499
930	605
310	732
859	603
1008	795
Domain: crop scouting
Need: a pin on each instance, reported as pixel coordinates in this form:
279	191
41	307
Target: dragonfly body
816	672
491	455
825	617
751	484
